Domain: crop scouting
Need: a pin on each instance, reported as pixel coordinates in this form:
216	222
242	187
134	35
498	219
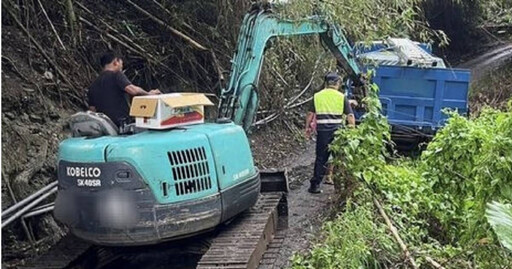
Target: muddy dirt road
488	61
307	211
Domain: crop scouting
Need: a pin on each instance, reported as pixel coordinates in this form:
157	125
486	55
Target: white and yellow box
168	110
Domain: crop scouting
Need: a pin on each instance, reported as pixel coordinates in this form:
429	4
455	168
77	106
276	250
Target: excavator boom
239	100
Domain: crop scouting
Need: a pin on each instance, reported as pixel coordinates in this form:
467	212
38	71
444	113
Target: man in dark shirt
107	93
329	106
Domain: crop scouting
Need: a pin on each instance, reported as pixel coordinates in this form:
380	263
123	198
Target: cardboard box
168	110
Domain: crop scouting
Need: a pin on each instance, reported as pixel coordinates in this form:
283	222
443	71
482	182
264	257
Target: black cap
332	77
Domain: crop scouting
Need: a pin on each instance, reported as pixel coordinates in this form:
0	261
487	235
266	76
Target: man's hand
309	129
154	92
353	102
351	121
308	132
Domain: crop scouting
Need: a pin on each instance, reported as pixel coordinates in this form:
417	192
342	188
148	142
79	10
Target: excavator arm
239	100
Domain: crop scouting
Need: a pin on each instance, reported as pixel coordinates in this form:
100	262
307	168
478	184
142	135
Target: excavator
155	185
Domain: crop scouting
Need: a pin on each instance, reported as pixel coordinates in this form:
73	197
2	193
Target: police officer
328	107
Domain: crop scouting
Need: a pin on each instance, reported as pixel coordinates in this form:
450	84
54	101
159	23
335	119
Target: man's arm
309	119
131	89
135	90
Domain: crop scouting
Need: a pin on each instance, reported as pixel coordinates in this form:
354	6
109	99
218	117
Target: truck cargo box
414	96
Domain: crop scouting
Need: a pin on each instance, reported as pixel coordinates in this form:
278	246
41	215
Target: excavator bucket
274	181
277	181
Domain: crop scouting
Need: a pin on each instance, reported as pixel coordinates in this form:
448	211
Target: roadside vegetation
441	204
451	206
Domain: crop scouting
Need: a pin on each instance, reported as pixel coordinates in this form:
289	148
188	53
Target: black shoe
315	189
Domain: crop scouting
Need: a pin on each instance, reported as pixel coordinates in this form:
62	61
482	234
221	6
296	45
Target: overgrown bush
437	202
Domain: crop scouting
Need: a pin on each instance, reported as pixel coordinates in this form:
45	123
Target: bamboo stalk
192	42
394	231
127	39
51	25
41	50
110	36
72	18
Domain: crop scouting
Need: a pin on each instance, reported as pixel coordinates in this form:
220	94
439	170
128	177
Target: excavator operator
328	106
107	93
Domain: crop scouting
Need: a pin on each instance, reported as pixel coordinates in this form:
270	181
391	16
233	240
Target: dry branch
289	104
15	69
162	7
41	50
394	231
217	66
111	37
192	42
127	39
434	263
9	188
138	50
51	25
34	166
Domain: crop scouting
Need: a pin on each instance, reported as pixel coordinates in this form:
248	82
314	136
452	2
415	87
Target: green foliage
352	240
438	201
367	20
363	149
500	217
498	12
470	161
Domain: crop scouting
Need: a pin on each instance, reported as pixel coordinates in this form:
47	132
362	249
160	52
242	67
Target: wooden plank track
67	250
241	244
272	254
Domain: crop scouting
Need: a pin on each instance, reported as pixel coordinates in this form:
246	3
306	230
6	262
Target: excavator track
238	244
61	255
242	244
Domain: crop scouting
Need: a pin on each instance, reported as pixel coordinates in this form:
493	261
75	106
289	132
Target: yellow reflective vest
329	107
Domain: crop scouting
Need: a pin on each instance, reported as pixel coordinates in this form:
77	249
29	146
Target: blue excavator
156	185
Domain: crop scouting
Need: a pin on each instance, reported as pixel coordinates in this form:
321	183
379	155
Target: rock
54	115
10	115
36	118
36	130
48	75
24	117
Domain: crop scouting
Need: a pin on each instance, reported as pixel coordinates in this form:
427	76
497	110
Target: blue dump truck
415	86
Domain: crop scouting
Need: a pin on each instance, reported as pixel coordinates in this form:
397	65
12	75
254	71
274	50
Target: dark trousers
323	139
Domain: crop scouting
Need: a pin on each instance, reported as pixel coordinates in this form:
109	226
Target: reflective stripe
335	121
328	116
